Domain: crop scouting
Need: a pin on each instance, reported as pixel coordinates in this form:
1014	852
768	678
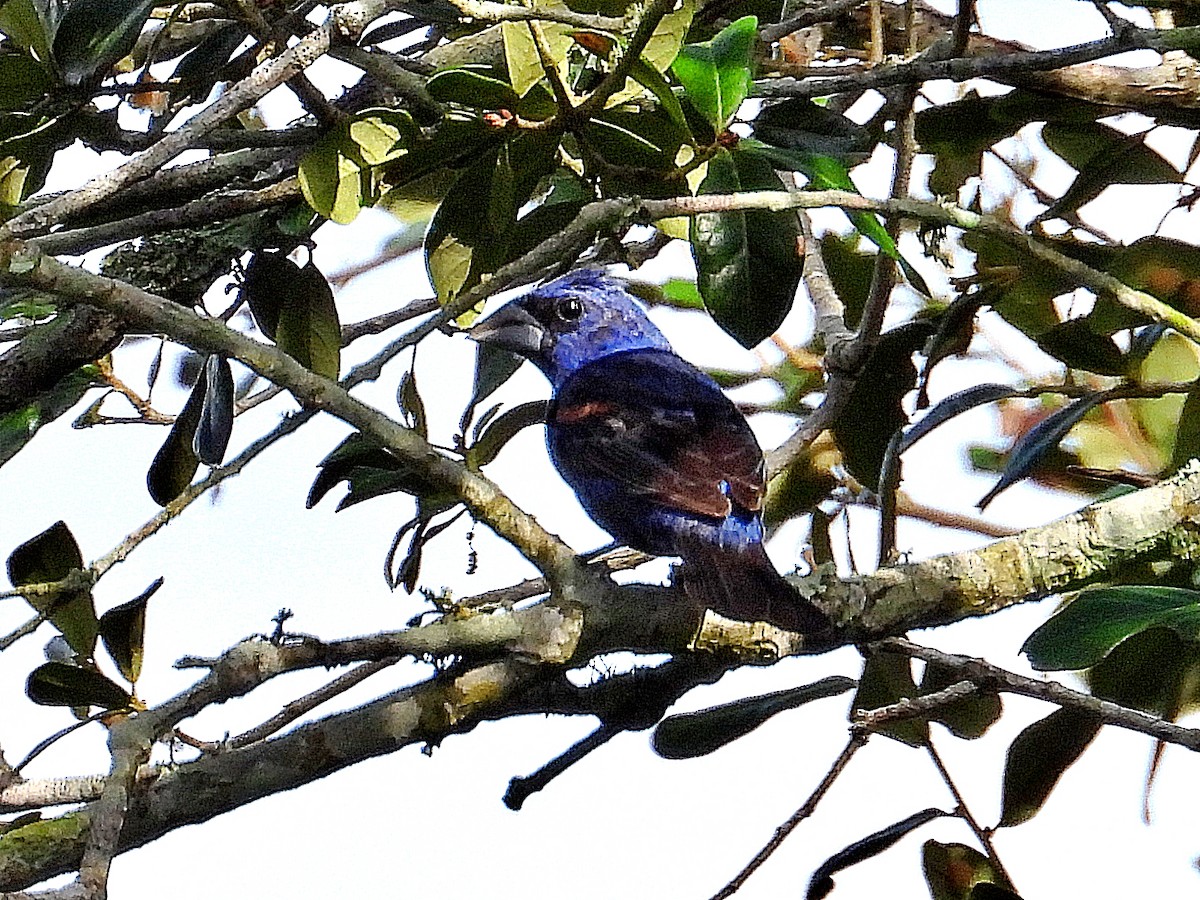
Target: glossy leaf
1039	757
716	74
969	718
875	411
31	24
872	845
722	258
18	427
953	406
1084	631
308	329
95	34
175	464
887	679
48	557
472	86
525	65
689	735
63	684
216	413
502	429
123	630
954	871
1039	441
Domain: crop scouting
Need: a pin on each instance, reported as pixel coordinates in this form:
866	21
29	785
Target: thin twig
857	739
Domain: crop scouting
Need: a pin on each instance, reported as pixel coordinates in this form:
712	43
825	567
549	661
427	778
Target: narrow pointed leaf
1087	629
1038	758
51	556
955	405
872	845
216	414
1039	441
689	735
493	367
175	464
63	684
123	630
412	407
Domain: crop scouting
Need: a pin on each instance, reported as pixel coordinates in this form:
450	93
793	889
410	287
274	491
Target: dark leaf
63	684
1038	758
850	271
955	871
956	328
1039	441
22	80
31	24
801	124
473	86
123	630
500	431
205	64
369	471
722	257
423	531
1076	345
1103	156
1156	671
308	329
175	464
94	34
493	367
216	413
716	74
689	735
269	279
955	405
872	845
48	557
1187	435
887	679
1087	629
969	718
18	427
874	411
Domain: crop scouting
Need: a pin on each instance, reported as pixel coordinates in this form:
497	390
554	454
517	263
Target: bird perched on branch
657	454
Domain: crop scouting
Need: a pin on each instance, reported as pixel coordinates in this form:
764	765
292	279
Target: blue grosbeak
656	453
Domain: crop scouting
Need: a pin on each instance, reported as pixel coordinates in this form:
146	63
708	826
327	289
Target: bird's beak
512	329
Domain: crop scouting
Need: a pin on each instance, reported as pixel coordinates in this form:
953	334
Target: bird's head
569	322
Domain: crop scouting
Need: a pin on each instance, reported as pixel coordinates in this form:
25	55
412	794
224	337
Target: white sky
623	822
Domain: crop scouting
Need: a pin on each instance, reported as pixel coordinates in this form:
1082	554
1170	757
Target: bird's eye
569	309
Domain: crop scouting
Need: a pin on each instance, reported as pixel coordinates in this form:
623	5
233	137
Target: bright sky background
623	822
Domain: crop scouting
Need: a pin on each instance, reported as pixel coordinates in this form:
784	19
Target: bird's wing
661	429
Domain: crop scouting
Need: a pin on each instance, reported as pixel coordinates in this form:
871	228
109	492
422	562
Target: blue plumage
657	454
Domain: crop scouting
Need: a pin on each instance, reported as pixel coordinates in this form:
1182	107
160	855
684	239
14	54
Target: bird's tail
742	583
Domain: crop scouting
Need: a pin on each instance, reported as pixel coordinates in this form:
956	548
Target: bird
656	453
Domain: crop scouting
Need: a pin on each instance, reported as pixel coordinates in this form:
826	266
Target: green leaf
216	414
95	34
123	630
369	471
954	870
472	86
493	367
875	410
470	232
31	24
382	135
1087	629
716	74
308	329
175	464
525	67
969	718
502	429
48	557
412	407
1039	441
689	735
331	178
1156	671
803	125
1103	156
722	258
872	845
1187	435
18	427
1039	756
268	280
63	684
22	80
887	679
667	40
